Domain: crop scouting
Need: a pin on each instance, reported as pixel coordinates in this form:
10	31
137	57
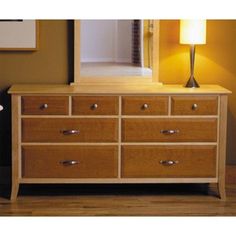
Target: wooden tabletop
115	89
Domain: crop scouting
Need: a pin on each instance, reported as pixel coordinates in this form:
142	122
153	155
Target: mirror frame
78	80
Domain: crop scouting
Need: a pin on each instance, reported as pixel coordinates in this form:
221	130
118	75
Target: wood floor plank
153	200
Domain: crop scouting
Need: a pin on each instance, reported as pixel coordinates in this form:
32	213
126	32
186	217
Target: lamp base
192	83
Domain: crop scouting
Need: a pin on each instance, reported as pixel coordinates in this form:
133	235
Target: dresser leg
221	190
14	191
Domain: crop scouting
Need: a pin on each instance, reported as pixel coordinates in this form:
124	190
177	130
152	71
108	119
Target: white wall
106	40
97	40
124	41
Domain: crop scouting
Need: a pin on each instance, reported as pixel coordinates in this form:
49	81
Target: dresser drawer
169	130
44	105
69	130
95	105
194	105
144	105
69	161
168	161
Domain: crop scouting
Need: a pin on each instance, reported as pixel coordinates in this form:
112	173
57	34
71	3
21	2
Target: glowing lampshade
192	31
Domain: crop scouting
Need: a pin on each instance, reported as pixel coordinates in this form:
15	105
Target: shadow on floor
108	189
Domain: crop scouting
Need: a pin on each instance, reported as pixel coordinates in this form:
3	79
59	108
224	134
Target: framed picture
19	35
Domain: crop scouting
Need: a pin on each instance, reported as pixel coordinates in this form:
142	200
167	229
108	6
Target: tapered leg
15	145
221	190
222	146
14	191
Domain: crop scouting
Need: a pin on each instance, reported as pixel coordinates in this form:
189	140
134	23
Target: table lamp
192	32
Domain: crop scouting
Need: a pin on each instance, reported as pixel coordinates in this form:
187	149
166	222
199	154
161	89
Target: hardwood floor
118	200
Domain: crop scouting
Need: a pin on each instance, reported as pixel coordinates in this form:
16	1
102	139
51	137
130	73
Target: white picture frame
18	35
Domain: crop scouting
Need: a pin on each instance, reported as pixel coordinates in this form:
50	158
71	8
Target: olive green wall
53	63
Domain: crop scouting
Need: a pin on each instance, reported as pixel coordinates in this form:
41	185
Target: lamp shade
192	31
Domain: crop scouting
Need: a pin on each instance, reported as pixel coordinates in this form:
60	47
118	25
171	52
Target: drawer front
169	130
168	161
95	105
45	105
69	130
194	105
144	105
69	161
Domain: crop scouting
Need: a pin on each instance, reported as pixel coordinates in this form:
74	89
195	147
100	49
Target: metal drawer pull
145	106
70	132
194	107
69	162
169	131
168	162
1	107
44	106
94	106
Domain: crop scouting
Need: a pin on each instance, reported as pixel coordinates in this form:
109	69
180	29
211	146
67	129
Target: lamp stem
192	59
192	83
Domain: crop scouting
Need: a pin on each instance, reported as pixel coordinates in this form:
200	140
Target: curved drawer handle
1	107
169	131
69	162
168	162
70	132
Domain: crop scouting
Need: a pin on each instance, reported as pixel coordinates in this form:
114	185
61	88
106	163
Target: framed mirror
116	51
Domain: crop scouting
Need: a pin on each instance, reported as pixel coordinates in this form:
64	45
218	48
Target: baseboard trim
5	174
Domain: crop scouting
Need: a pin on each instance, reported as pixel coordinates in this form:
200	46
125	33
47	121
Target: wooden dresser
118	134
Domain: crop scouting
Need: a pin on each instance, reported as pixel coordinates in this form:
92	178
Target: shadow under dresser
107	134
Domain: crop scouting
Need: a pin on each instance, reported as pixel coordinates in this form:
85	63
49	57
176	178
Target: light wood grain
120	89
116	180
15	146
77	50
222	146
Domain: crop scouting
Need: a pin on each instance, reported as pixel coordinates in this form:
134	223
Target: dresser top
154	89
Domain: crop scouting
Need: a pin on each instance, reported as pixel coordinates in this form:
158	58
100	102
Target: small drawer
144	105
169	130
69	130
95	105
168	161
44	105
69	161
194	105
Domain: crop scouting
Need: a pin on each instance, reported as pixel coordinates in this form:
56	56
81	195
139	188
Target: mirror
116	49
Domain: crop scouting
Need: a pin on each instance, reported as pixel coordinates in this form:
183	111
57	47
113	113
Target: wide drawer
194	105
44	105
69	130
69	161
144	105
95	105
169	130
168	161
